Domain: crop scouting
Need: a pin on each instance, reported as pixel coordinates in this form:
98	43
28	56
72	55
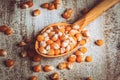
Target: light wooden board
106	59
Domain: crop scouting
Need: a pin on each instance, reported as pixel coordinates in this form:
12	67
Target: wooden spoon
84	21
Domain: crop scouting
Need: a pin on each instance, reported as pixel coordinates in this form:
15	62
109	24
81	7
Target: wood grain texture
95	12
106	59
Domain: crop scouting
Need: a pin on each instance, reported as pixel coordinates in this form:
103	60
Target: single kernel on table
33	78
85	33
45	5
36	12
3	52
88	59
62	65
72	58
69	65
3	28
37	68
48	68
78	52
51	6
36	58
29	3
54	76
67	14
9	31
24	6
9	63
56	3
99	42
21	44
83	49
79	58
24	54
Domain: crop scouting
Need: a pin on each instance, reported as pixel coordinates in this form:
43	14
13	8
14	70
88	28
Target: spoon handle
95	12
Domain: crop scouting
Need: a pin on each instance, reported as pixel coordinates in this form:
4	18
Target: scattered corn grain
69	65
3	52
36	12
29	3
48	68
62	65
83	49
9	31
55	76
24	6
9	63
85	33
99	42
33	78
78	52
3	28
71	58
51	6
79	58
37	68
56	3
88	59
67	14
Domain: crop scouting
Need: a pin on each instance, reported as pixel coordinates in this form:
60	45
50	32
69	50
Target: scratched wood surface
106	59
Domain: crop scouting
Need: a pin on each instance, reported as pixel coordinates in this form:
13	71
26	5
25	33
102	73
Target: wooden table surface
106	59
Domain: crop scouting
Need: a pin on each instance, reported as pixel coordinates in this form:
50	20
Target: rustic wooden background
106	59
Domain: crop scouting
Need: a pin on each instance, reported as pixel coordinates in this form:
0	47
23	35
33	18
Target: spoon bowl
43	30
